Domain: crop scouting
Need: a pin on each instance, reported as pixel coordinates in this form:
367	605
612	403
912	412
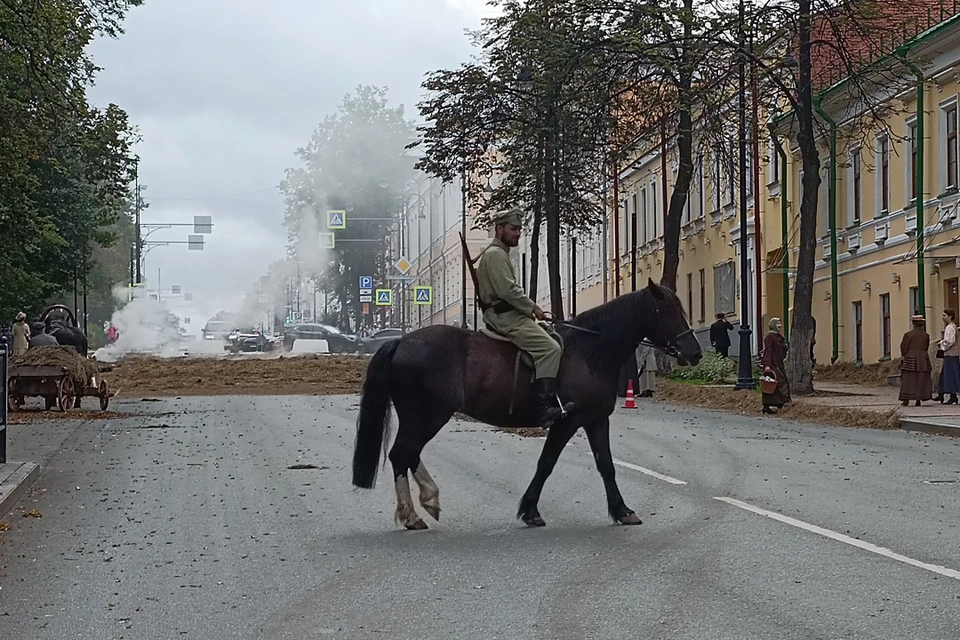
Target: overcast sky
224	91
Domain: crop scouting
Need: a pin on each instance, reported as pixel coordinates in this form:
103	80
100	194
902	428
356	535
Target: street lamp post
745	368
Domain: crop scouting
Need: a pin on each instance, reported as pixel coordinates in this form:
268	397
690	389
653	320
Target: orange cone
629	403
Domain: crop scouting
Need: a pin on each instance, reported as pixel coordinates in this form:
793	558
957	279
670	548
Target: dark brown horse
433	372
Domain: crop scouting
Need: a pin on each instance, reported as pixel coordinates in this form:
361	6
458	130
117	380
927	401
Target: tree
66	164
535	108
355	161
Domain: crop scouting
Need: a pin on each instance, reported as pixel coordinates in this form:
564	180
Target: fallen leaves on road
31	414
33	513
748	402
525	432
4	527
196	376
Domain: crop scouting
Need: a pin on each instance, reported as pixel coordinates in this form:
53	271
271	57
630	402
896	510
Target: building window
914	302
885	325
858	332
913	147
644	215
701	198
703	295
884	152
624	230
857	184
950	114
653	209
690	295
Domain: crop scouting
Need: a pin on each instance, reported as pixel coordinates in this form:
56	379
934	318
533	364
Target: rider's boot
549	408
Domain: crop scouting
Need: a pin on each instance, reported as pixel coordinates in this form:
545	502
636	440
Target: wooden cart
54	385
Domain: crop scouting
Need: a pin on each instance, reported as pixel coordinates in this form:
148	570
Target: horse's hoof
534	521
417	525
433	512
629	518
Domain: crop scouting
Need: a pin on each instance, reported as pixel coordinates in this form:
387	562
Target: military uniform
509	312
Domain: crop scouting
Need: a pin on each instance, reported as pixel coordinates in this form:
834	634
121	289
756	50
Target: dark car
247	340
216	330
370	344
337	341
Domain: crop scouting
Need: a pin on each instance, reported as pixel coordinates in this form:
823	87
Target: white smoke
145	326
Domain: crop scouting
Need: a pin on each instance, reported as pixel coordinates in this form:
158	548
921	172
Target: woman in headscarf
21	335
774	355
915	381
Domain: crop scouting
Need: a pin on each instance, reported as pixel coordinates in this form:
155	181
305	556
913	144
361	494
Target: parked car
246	340
216	330
371	343
337	341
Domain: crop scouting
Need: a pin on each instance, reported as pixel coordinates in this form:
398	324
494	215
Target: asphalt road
189	524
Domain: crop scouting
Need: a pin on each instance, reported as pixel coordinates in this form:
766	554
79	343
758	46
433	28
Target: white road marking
839	537
649	472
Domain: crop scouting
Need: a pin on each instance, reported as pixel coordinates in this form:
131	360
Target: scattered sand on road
285	375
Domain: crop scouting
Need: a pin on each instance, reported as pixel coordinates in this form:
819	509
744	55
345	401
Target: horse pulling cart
55	385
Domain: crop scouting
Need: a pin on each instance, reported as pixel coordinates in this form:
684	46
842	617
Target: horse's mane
611	344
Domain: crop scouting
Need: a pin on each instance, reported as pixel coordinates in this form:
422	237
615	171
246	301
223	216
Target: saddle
523	358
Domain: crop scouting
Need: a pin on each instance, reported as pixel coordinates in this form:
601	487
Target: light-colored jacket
497	282
949	342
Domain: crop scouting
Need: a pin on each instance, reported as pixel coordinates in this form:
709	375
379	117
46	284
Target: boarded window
724	288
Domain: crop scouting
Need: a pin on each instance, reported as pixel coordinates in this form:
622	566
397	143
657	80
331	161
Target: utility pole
136	207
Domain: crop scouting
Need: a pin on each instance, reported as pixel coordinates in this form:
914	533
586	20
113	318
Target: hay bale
80	369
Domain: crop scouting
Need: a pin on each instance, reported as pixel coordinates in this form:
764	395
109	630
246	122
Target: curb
14	482
926	426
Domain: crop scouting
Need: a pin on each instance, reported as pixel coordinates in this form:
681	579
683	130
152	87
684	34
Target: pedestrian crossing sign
423	295
328	240
384	297
336	219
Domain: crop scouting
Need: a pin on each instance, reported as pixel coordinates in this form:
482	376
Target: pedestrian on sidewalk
719	336
915	367
21	335
647	374
951	357
774	355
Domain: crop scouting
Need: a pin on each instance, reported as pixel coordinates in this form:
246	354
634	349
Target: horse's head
669	329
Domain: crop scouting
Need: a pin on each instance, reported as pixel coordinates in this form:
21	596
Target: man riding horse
509	312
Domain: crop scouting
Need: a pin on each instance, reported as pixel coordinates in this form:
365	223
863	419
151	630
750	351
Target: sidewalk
932	417
15	479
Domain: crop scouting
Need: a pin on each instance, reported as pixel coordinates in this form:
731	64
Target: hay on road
80	369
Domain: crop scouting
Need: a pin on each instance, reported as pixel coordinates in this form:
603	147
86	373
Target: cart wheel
104	395
66	395
14	401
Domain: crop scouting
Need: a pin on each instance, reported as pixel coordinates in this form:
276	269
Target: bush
712	368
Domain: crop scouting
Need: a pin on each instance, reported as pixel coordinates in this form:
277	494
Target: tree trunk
681	189
552	201
799	365
537	222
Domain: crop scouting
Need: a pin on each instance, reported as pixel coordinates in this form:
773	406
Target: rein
669	349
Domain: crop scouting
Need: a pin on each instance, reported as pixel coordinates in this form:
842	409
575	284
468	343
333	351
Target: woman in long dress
774	354
915	367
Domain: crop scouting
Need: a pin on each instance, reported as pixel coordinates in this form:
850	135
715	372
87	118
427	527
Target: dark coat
718	333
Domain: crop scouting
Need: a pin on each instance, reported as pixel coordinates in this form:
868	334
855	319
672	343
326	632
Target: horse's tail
373	422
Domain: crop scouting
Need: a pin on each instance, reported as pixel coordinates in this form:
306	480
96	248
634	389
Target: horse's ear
655	289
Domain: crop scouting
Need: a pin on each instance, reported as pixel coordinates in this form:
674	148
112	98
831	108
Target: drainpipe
901	55
832	184
785	250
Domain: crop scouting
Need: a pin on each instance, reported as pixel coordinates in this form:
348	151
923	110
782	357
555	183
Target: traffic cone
629	403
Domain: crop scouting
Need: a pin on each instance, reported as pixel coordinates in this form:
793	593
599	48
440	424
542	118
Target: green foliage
712	369
66	165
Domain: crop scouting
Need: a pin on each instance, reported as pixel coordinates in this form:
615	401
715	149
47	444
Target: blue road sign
336	219
366	282
423	295
384	297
